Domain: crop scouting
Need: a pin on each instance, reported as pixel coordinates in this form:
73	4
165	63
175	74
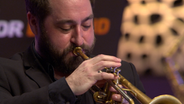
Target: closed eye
66	28
87	26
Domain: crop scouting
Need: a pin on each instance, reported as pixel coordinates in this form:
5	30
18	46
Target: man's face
70	24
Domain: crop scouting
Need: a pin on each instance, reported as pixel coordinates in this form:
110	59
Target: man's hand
87	74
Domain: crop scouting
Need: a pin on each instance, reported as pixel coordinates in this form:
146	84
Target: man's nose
77	36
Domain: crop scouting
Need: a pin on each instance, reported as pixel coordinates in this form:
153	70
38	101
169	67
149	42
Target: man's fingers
105	75
119	98
113	90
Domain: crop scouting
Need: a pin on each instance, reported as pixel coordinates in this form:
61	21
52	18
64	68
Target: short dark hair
41	9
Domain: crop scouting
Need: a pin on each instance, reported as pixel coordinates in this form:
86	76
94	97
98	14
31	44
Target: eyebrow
71	21
88	18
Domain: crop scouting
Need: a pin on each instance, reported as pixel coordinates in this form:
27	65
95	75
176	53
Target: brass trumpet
144	99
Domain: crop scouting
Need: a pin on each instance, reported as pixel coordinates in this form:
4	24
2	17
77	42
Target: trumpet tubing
176	81
144	99
172	70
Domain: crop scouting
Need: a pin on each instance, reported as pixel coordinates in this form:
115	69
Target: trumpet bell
165	99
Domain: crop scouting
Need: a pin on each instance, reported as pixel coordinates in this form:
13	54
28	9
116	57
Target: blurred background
147	33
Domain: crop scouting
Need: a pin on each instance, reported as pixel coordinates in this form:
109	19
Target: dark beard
66	65
58	59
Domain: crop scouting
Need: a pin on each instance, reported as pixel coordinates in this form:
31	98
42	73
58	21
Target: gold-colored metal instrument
175	78
172	71
144	99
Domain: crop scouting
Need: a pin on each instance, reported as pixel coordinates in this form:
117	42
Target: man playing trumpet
49	72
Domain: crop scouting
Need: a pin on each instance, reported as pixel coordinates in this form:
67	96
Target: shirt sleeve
60	93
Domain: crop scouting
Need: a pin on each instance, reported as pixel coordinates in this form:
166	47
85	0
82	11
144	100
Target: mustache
85	48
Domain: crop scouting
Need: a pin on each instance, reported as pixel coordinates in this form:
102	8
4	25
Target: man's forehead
67	9
69	4
63	21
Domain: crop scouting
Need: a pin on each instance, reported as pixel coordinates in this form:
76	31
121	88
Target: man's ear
33	22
